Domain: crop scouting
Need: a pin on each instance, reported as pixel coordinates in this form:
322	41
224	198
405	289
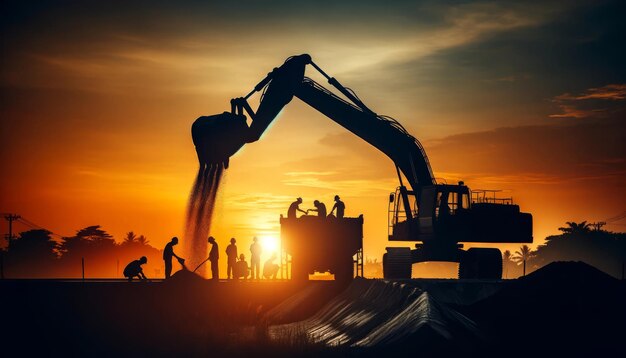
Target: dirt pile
567	307
185	278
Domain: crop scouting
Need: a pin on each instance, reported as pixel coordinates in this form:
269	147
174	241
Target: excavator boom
384	133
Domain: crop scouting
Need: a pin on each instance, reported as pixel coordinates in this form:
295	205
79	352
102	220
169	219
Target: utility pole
10	218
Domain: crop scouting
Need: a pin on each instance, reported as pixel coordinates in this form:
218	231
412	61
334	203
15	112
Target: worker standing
255	260
340	206
295	206
231	254
168	254
214	256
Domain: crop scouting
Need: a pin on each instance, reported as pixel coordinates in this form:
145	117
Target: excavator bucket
218	137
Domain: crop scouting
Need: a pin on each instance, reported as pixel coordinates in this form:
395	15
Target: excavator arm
384	133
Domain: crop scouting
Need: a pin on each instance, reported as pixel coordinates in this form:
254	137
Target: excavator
438	217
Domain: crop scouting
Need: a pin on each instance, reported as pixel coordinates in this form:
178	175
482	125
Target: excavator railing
486	196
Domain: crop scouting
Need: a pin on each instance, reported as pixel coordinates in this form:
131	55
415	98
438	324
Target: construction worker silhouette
270	269
295	206
241	269
214	256
133	269
340	206
231	254
168	254
255	260
320	208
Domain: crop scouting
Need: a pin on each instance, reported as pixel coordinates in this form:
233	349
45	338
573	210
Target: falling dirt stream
200	209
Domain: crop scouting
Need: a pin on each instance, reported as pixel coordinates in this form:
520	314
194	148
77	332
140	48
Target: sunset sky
97	101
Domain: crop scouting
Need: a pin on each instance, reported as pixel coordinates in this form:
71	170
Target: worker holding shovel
214	256
168	254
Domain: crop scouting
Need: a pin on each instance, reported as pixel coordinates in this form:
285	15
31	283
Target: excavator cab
416	217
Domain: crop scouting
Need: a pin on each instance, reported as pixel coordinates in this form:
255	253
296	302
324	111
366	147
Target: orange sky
97	103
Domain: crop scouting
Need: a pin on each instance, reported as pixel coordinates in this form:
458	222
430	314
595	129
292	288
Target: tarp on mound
374	313
304	303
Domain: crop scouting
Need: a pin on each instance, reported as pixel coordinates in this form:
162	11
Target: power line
25	222
616	217
35	226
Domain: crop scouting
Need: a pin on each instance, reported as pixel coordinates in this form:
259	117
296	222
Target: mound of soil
185	277
567	307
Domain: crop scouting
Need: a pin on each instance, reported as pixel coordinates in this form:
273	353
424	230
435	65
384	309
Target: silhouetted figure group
237	267
320	209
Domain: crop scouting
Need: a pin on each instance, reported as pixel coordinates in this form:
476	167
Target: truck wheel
397	263
481	263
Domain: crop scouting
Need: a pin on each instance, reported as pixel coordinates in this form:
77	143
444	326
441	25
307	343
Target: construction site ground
566	308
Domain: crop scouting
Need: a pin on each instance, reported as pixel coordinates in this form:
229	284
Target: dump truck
319	244
438	217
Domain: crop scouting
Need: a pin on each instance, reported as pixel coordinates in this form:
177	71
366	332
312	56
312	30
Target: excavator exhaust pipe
217	138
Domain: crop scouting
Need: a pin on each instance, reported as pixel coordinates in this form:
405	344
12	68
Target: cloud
613	92
591	148
590	103
187	48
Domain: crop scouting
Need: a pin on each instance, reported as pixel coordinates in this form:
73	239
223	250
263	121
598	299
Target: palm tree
506	262
142	240
576	228
523	255
130	237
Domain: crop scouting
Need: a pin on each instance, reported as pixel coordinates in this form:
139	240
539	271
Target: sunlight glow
271	244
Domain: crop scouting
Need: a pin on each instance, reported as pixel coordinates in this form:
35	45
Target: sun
270	244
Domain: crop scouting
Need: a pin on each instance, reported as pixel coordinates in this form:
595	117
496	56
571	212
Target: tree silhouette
602	249
34	254
574	228
522	256
506	262
96	246
130	237
143	240
30	254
